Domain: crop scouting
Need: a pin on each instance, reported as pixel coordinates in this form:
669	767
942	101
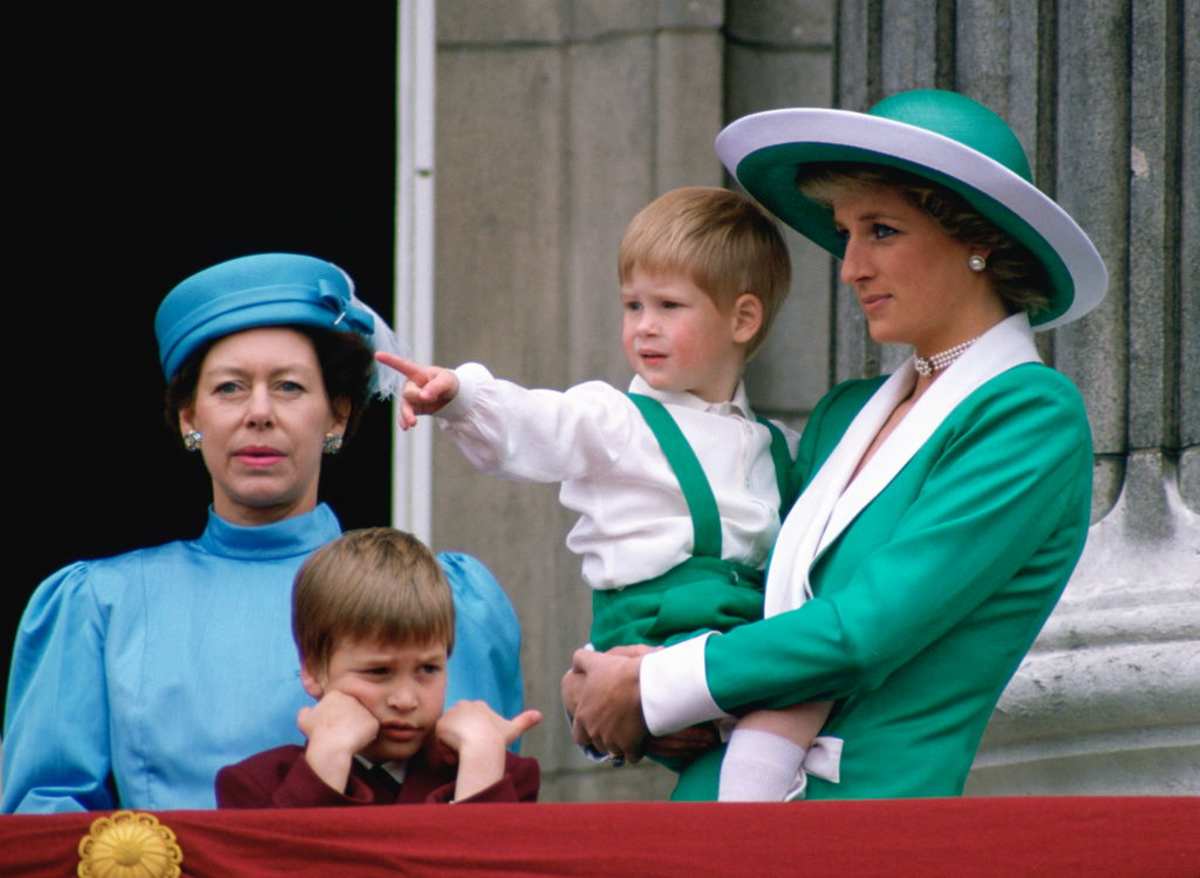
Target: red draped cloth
1101	836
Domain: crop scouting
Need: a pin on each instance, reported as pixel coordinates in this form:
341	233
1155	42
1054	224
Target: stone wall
558	120
556	123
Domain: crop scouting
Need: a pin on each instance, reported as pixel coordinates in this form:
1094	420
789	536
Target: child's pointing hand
428	389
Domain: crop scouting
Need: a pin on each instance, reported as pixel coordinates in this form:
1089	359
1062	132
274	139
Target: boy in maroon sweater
373	619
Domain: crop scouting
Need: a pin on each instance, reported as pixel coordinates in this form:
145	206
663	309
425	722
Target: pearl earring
975	262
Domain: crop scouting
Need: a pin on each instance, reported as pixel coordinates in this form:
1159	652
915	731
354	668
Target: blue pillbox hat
266	289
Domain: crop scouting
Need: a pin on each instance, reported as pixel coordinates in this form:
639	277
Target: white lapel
787	579
825	514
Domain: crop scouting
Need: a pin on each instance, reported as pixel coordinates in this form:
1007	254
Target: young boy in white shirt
680	489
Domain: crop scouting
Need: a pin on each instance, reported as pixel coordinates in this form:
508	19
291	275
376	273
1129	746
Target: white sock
759	767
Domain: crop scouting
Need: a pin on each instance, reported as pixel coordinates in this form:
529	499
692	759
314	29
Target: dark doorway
156	139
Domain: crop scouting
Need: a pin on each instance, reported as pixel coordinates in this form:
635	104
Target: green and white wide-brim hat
942	136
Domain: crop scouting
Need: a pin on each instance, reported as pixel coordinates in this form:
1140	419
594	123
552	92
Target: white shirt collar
739	405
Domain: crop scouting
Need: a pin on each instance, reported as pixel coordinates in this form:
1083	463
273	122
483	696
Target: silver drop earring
975	262
192	440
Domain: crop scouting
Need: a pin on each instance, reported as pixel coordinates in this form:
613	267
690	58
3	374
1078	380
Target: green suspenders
704	592
706	520
783	468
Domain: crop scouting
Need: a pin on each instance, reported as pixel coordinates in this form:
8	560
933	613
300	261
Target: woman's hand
633	650
572	682
601	692
686	744
429	389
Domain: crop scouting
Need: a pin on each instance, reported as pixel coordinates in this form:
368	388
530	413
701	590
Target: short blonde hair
376	585
722	240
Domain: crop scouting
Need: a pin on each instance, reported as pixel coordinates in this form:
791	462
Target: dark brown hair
377	585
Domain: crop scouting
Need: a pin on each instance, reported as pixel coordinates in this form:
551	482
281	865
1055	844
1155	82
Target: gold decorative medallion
129	844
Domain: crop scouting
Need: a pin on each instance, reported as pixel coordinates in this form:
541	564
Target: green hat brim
764	150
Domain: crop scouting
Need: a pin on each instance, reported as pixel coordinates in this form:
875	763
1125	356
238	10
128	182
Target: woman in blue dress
135	678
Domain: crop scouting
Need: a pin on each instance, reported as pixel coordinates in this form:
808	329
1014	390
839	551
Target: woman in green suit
944	506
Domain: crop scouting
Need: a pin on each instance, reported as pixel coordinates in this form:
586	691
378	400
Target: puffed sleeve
486	662
56	730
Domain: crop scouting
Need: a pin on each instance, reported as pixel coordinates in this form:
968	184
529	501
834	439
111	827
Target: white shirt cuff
674	687
470	377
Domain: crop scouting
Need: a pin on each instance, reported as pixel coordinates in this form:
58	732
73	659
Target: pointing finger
413	371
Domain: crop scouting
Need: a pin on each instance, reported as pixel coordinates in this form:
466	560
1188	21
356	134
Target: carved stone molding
1108	699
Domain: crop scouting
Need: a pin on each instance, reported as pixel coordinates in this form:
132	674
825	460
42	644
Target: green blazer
925	599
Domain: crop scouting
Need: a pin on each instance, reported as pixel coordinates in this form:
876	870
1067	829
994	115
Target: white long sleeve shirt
634	523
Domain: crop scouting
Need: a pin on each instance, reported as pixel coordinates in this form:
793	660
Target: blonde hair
1017	277
724	242
374	585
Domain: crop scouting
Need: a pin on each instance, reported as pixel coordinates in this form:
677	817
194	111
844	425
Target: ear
186	422
341	408
310	682
747	315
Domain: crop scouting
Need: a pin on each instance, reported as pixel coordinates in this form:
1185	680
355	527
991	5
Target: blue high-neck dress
142	675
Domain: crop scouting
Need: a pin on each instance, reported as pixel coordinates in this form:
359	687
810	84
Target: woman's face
262	410
911	278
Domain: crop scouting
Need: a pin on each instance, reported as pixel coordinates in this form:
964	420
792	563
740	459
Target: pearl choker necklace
926	366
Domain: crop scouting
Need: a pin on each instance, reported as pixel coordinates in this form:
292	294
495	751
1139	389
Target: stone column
779	54
1109	698
556	123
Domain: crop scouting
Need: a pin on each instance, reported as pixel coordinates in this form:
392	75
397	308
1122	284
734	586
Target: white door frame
416	48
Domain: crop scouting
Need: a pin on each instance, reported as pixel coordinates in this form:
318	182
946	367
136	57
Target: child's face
403	686
677	338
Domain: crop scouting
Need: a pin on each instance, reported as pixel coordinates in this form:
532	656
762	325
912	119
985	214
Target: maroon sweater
281	778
